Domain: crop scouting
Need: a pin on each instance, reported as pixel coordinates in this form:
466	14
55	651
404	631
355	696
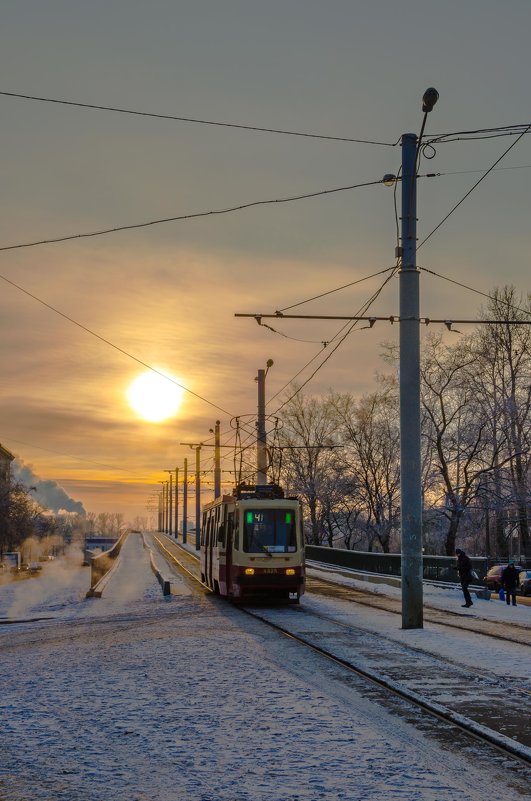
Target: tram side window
234	527
221	535
271	530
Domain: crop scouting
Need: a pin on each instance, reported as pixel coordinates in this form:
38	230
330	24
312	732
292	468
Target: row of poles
409	368
169	497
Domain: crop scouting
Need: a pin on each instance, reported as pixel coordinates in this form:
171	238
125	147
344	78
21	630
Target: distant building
95	544
6	457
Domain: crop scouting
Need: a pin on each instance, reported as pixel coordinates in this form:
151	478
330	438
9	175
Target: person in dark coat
509	581
464	568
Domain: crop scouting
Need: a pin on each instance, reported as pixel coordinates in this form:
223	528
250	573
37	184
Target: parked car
525	582
493	578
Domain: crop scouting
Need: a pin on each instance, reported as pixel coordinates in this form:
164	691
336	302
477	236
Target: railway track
455	703
489	628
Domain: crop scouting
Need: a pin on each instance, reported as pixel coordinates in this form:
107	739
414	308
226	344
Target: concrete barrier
164	582
101	567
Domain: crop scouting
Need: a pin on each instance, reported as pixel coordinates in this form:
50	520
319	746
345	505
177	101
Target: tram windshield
269	530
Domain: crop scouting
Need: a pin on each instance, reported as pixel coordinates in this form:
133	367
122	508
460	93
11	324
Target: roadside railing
434	568
100	566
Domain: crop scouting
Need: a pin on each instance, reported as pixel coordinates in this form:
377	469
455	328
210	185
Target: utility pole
217	461
261	439
410	450
170	503
161	506
197	496
185	501
176	502
166	486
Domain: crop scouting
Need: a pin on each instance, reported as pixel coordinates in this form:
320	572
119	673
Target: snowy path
187	698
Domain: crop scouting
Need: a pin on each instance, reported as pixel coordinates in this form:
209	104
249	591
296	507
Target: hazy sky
167	294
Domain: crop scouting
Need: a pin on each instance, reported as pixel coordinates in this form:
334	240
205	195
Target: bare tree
306	436
457	435
371	434
503	353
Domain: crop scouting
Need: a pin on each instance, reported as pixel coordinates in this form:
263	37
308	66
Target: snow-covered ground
503	658
134	696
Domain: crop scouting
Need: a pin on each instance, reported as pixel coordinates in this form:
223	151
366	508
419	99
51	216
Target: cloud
47	492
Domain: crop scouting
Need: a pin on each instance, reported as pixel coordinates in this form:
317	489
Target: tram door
228	558
212	528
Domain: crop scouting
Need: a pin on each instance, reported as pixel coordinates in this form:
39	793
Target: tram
252	545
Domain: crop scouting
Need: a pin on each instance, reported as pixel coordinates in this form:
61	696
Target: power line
363	309
195	215
479	133
112	345
258	319
477	291
393	318
197	121
337	289
474	187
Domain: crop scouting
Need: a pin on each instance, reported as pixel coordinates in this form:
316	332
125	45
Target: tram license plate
270	570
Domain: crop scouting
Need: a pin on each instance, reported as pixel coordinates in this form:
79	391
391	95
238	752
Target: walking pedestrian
464	568
509	580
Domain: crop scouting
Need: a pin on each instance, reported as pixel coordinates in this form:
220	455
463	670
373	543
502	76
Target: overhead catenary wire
194	215
337	289
112	345
476	291
364	308
467	194
176	118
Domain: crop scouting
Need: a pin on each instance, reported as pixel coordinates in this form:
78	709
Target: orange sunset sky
165	295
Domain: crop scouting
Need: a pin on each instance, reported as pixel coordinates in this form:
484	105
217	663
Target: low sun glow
154	397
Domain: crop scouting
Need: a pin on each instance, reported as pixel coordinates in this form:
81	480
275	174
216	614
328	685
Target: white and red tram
252	545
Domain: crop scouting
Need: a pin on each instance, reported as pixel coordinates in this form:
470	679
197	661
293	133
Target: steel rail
477	731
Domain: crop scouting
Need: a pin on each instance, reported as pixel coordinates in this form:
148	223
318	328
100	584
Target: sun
154	397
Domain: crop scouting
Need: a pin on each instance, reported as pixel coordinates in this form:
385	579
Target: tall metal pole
217	461
261	443
159	528
176	502
197	496
163	527
185	501
410	454
170	503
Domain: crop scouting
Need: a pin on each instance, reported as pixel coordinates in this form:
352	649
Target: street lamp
409	369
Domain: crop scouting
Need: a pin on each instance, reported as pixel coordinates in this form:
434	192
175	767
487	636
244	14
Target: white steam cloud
48	493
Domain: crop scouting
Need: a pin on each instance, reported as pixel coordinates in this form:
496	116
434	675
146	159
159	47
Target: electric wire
363	310
193	120
178	218
337	289
481	133
474	187
476	291
111	344
287	336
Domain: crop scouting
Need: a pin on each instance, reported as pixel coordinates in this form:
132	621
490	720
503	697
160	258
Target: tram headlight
290	571
249	571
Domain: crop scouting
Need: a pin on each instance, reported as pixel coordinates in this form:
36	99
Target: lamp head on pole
429	99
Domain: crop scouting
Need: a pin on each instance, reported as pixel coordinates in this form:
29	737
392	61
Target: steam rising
48	493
